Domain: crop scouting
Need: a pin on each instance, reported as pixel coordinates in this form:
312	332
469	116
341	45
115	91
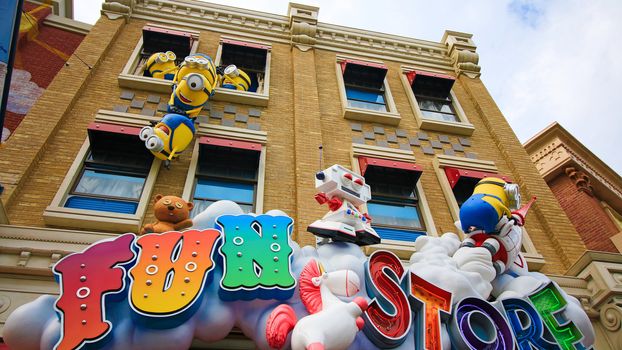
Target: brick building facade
306	100
586	188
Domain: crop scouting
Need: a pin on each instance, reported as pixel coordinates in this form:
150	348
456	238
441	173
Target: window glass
225	173
110	184
394	214
364	86
394	207
436	109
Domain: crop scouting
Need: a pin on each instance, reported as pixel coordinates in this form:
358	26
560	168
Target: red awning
120	129
365	162
214	141
166	31
246	44
345	63
430	84
454	174
363	74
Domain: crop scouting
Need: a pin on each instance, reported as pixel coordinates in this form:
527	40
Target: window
394	206
463	181
157	38
254	59
433	95
434	104
113	174
458	177
364	84
365	92
109	185
226	169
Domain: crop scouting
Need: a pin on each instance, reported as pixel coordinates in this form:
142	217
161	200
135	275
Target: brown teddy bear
172	214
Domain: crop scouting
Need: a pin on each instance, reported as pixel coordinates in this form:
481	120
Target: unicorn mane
310	293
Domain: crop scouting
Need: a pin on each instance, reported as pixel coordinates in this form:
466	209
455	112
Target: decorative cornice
114	9
300	29
303	25
462	52
581	181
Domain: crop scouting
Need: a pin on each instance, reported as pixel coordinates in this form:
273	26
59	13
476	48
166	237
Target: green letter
256	254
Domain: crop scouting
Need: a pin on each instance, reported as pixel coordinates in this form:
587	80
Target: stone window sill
241	97
388	118
137	82
91	220
459	128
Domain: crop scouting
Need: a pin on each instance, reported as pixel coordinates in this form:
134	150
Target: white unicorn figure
331	324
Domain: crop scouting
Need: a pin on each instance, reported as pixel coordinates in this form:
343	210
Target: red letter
434	300
388	317
85	279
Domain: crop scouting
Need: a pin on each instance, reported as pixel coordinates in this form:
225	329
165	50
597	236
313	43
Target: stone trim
302	31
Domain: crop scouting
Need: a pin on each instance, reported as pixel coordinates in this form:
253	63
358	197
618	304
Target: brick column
25	147
557	227
307	138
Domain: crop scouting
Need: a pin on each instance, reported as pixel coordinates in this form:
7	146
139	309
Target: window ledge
403	249
242	97
443	126
91	219
138	82
388	118
535	261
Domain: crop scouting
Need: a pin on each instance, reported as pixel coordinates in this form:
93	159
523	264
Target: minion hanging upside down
491	219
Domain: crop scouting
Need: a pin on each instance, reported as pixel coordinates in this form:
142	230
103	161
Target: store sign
165	276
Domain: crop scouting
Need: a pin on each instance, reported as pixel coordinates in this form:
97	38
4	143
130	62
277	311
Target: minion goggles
163	57
196	82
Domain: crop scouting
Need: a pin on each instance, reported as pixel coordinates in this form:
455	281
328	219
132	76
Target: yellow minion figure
235	79
492	199
161	65
197	63
169	137
190	95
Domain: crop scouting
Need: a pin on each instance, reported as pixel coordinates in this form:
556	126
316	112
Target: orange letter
171	270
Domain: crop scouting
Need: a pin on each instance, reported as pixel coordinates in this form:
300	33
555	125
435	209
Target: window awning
157	39
455	174
214	141
378	167
107	138
430	84
245	55
361	73
245	44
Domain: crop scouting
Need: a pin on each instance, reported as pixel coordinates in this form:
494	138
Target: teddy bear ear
157	198
190	205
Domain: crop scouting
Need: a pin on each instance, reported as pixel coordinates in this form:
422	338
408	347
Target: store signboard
165	289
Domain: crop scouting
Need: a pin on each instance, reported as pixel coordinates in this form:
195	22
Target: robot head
161	65
341	182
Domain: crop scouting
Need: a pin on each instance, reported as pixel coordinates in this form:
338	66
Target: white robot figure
343	191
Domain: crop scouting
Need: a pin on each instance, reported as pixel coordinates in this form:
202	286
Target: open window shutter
430	84
364	74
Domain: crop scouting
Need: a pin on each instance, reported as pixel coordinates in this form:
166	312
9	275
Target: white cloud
24	92
541	60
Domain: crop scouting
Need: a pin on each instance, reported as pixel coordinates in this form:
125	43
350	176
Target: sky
542	61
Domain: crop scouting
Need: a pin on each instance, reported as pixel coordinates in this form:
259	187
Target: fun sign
174	281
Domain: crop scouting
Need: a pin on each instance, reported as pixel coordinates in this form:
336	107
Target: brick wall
304	111
585	213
